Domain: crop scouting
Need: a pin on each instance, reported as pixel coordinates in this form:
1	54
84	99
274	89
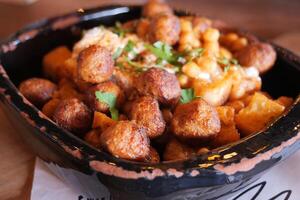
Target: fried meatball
164	28
260	55
73	115
95	64
142	28
159	84
124	80
145	111
177	151
196	119
126	140
155	7
37	90
109	87
153	156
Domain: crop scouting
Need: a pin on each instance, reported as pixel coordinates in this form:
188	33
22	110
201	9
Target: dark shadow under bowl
215	175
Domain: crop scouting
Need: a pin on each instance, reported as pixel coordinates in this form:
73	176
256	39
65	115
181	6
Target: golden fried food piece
54	62
102	121
228	133
93	138
95	64
73	115
260	55
67	90
37	90
177	151
202	150
285	101
124	80
142	28
126	140
260	112
164	28
153	156
196	119
159	84
108	87
50	107
155	7
145	111
236	104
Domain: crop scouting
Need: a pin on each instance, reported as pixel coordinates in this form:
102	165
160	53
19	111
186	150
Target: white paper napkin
282	179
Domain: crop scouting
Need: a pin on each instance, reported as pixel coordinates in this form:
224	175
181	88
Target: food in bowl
160	88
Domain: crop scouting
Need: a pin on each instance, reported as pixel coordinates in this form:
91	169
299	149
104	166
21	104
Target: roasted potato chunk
285	101
260	55
50	107
159	84
228	132
260	111
145	111
108	87
126	140
164	28
177	151
196	119
93	138
37	90
215	93
54	62
73	115
67	90
95	64
156	7
102	121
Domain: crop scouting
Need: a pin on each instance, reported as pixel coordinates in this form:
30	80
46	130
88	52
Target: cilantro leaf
161	50
106	97
194	53
187	95
110	99
114	113
119	30
129	46
117	53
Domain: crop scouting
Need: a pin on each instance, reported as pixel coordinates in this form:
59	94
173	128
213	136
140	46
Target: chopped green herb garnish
117	53
118	29
129	46
226	68
227	63
138	67
161	50
187	95
194	53
110	99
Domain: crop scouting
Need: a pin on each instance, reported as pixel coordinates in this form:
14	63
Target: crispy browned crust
93	138
159	84
126	140
95	64
73	115
107	86
260	55
145	111
196	119
37	90
177	151
153	156
155	7
164	28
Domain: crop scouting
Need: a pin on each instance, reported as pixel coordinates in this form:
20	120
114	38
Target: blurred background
277	20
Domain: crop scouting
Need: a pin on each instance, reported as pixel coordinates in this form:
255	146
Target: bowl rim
219	160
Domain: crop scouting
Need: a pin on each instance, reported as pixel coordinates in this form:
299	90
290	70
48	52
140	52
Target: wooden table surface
268	18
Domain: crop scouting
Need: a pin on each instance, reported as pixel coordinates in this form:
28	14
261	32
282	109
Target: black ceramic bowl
215	175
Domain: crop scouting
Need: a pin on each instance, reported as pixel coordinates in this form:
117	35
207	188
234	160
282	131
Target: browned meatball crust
37	90
73	115
126	140
153	156
95	64
177	151
155	7
164	28
159	84
145	111
107	86
196	119
260	55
